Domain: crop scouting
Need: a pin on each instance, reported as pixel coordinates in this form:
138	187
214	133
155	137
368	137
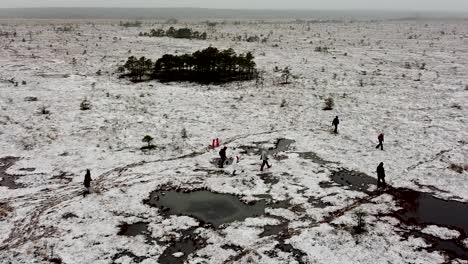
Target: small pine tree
285	75
359	217
43	110
148	139
329	103
183	133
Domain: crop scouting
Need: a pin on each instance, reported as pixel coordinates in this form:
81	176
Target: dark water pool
209	207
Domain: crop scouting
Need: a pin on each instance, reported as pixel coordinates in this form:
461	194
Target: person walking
381	140
264	158
222	155
235	165
381	176
87	182
335	123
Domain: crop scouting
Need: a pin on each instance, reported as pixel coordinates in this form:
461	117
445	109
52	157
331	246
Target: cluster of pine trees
185	33
204	66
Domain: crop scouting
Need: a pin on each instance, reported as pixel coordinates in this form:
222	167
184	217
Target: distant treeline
130	24
185	33
204	66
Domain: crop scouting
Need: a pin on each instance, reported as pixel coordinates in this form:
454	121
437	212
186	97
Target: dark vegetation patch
188	243
318	203
183	33
8	180
281	145
267	178
458	168
236	248
135	258
69	215
314	157
204	66
353	180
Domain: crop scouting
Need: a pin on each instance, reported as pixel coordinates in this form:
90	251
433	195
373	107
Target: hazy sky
433	5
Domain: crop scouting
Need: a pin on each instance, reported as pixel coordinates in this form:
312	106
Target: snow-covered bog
403	78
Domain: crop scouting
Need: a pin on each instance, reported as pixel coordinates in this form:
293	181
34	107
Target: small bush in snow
329	103
285	75
148	139
183	133
5	209
30	99
456	168
359	217
85	104
43	110
283	103
321	49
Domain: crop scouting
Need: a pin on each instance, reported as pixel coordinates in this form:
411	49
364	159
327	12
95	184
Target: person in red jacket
381	139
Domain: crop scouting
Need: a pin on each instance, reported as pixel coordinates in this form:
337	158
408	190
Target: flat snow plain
413	77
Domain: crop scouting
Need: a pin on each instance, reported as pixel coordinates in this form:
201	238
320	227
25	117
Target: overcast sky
413	5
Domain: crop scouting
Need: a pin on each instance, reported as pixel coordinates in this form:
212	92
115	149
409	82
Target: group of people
380	169
264	158
223	159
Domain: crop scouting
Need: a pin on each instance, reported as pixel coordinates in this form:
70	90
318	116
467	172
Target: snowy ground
424	121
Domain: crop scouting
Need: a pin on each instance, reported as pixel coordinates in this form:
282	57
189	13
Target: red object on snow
217	142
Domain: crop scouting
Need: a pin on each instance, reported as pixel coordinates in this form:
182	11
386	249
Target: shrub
43	110
85	104
328	104
148	139
285	75
321	49
283	103
456	168
359	217
183	133
5	209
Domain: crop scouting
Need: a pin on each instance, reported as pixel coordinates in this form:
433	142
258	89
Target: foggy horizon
458	6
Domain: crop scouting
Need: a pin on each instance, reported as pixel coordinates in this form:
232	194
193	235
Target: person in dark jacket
264	158
222	155
335	123
381	139
381	176
87	182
